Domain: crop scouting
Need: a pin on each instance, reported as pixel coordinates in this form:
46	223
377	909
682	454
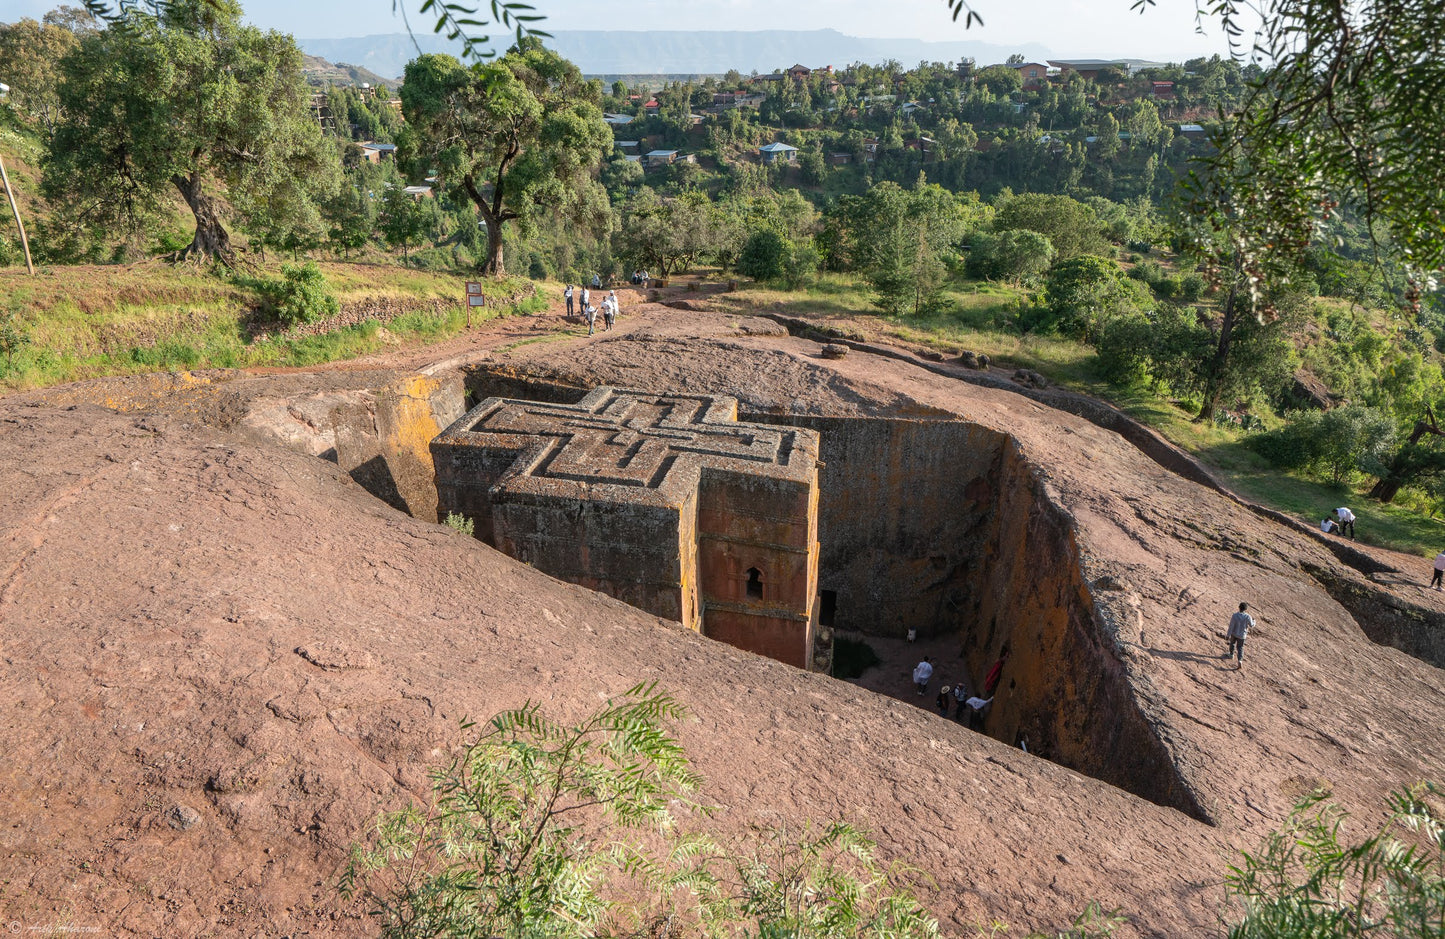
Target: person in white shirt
1346	518
1439	570
975	707
922	672
568	294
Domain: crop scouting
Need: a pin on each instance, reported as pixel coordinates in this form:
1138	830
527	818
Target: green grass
93	321
980	321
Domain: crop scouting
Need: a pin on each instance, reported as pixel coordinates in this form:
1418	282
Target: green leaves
518	136
1307	881
509	847
189	99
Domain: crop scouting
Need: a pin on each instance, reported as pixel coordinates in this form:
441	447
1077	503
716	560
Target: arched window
755	583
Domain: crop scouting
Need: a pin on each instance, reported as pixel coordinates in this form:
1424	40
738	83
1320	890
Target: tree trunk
1214	378
1388	486
211	241
495	265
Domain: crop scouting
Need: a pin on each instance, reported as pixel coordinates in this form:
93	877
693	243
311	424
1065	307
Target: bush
461	523
508	847
1335	443
1306	881
763	255
300	296
1192	287
852	657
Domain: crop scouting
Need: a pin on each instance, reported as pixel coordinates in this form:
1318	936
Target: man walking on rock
1439	570
1239	626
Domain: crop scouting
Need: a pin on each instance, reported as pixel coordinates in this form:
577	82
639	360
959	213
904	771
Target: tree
669	235
1015	255
1082	293
519	136
32	53
191	102
899	239
401	218
1070	225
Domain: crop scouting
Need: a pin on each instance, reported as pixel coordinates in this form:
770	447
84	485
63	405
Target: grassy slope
983	309
91	321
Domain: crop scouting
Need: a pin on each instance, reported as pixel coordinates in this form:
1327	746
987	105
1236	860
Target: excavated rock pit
197	624
938	528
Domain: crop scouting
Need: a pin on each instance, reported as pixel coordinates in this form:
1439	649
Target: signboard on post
474	298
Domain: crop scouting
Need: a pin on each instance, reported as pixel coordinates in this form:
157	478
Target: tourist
590	312
1346	518
1239	626
975	712
942	702
609	310
990	683
568	294
586	299
1439	570
960	695
921	673
1327	525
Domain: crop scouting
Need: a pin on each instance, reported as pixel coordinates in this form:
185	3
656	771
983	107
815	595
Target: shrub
1191	287
852	657
1335	443
1307	881
508	848
763	255
300	296
461	524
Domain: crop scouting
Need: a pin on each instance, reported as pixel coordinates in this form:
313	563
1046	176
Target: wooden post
10	194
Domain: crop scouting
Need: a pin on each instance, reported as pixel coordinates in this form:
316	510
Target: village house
654	158
376	152
778	153
617	120
1034	74
418	193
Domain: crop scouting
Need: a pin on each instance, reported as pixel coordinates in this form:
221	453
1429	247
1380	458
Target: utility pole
10	194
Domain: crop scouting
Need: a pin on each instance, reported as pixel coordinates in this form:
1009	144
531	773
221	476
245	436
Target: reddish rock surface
221	655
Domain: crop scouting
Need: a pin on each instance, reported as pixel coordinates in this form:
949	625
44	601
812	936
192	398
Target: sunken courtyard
230	593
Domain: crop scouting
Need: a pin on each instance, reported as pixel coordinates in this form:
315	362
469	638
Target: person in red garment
990	682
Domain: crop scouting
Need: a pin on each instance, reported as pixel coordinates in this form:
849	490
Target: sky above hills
1069	28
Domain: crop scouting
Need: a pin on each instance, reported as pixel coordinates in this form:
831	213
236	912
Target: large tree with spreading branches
186	100
517	136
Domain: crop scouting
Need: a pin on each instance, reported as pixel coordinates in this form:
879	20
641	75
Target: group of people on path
609	307
968	709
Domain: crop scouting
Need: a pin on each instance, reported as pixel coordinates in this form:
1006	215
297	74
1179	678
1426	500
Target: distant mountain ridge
683	52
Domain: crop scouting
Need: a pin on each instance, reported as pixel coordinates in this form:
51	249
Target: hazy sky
1071	28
